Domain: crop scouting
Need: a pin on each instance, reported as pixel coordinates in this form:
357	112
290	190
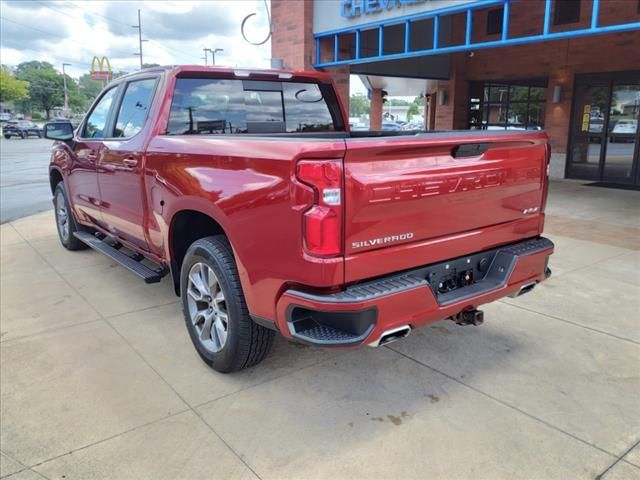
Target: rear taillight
322	223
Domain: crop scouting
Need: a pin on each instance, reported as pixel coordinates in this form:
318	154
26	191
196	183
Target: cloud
23	26
177	31
199	20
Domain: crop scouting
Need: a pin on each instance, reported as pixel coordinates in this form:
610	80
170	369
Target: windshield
219	106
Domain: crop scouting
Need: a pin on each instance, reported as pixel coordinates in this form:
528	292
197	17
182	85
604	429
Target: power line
75	62
98	14
52	34
166	48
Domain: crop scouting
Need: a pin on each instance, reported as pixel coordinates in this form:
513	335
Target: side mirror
60	131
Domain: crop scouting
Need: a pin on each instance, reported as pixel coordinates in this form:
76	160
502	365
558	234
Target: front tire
7	137
65	223
215	311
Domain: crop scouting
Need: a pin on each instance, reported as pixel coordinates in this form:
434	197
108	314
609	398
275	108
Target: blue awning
375	32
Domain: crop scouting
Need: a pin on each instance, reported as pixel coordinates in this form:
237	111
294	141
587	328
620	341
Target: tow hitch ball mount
469	317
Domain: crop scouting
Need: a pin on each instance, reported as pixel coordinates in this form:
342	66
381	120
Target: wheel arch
55	177
186	227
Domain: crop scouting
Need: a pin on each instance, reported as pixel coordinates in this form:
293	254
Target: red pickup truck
248	189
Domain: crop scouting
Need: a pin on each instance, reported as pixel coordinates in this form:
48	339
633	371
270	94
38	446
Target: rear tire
7	137
65	223
23	135
215	311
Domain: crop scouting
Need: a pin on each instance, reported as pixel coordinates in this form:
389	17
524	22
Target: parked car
391	126
413	126
624	130
22	129
73	121
332	238
5	117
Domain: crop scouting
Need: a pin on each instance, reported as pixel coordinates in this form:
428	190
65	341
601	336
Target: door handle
130	162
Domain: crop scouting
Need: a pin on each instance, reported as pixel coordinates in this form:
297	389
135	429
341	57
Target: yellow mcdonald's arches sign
101	73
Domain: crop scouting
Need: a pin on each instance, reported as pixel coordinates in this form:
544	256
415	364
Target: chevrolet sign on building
355	8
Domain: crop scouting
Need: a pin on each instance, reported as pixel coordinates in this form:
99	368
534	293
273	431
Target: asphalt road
24	177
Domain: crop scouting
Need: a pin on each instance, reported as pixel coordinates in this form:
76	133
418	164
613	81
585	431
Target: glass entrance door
605	138
622	134
589	118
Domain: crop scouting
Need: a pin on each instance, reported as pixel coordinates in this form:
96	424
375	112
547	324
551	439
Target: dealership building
571	67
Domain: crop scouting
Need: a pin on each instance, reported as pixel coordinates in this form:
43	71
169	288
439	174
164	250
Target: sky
73	31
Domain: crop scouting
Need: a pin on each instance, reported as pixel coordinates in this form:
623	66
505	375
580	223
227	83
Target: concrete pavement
24	177
99	378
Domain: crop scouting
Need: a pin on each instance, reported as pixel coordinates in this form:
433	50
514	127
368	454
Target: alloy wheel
207	307
62	216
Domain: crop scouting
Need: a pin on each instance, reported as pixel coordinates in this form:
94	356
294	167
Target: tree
414	108
359	105
398	102
12	89
45	86
90	88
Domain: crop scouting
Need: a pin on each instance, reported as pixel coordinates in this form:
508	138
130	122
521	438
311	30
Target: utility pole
205	55
140	40
66	94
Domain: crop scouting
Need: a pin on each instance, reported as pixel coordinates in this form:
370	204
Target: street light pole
213	54
205	55
64	80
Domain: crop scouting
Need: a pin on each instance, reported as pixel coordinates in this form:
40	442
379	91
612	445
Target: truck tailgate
462	191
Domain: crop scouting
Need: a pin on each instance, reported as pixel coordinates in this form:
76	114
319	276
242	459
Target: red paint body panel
247	184
252	193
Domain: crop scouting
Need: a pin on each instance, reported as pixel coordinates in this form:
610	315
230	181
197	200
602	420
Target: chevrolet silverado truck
249	191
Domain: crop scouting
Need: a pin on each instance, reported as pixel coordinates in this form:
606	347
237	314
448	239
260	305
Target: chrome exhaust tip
526	288
392	335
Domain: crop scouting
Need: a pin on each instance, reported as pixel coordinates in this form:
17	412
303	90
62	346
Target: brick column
375	114
292	42
341	78
430	110
453	114
557	118
292	39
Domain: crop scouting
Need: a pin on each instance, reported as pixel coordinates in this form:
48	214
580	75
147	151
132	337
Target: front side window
97	120
134	107
217	106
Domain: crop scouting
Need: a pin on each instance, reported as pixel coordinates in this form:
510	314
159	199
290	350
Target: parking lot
24	180
99	379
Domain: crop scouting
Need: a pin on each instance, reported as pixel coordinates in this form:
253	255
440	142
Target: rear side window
134	107
215	106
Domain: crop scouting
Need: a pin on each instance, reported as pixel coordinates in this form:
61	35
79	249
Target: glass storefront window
507	106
